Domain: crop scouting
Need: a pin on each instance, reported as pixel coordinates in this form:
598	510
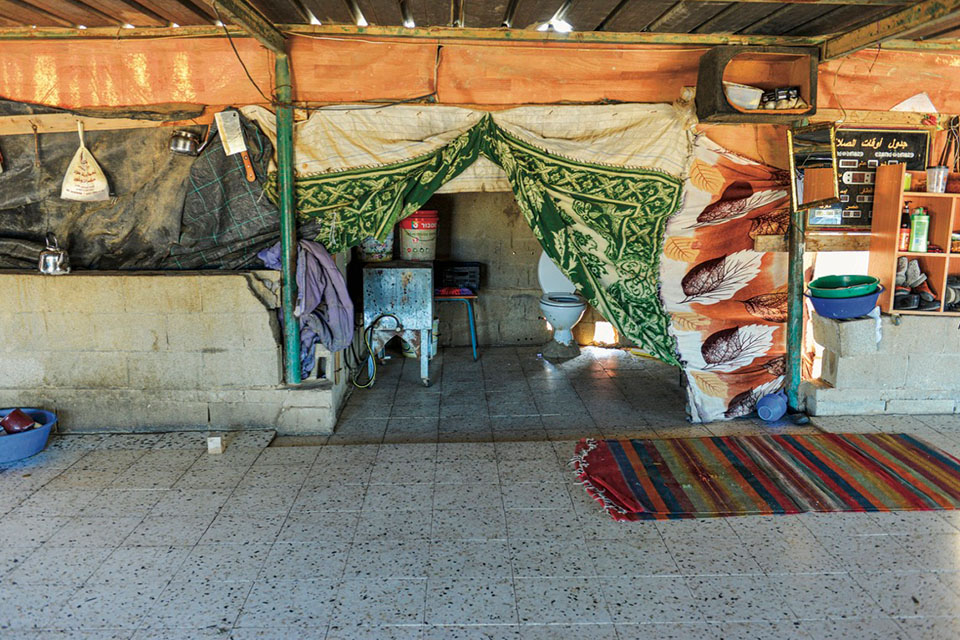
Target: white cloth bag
84	180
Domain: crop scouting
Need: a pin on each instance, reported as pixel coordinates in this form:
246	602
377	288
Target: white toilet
561	305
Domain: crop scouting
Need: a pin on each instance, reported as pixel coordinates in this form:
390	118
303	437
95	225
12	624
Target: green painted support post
798	228
288	227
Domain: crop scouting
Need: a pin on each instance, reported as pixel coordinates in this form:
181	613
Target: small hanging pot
53	260
187	143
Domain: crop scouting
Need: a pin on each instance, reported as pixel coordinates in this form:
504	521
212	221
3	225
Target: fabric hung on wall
225	219
132	230
324	308
159	200
727	303
595	184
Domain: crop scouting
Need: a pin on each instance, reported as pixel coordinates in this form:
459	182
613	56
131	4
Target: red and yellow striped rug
740	475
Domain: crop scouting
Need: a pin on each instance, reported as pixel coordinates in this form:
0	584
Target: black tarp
167	211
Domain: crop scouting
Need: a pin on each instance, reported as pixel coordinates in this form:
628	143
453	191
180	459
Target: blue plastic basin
17	446
842	308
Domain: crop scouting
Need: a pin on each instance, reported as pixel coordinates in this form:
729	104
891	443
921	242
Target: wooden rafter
924	14
18	7
245	15
425	33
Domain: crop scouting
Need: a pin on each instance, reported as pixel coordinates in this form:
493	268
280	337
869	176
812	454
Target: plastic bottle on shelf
903	240
919	228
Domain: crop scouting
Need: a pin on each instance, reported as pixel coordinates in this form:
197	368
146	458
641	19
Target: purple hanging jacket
323	305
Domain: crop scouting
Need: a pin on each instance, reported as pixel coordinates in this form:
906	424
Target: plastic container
18	446
372	250
742	95
843	286
843	308
919	230
772	406
418	236
937	179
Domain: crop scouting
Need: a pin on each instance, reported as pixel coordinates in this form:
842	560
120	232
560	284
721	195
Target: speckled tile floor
449	512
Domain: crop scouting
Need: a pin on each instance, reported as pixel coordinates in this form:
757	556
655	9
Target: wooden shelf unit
944	210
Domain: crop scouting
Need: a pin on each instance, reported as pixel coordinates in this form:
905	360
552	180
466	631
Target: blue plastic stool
467	300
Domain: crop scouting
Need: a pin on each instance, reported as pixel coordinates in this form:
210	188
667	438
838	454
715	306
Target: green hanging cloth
359	203
603	226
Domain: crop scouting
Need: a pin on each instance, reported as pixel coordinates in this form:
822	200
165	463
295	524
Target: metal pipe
288	228
798	228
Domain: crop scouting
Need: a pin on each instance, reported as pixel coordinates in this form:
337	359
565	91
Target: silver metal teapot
187	143
54	261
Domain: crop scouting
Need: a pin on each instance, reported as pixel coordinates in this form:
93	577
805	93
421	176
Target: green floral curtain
603	225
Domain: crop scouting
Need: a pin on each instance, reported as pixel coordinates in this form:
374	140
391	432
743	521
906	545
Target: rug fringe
580	464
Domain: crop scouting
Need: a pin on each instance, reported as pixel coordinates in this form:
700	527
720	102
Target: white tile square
304	604
96	532
830	596
162	531
650	600
394	525
466	497
469	559
550	559
484	523
548	524
738	599
903	595
237	529
196	604
470	601
299	561
51	564
388	559
398	497
363	601
645	555
560	600
143	565
223	562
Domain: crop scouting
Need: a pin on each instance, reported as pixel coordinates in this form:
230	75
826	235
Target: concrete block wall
489	228
914	368
146	351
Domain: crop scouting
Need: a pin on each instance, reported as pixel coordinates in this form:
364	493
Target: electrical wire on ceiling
272	100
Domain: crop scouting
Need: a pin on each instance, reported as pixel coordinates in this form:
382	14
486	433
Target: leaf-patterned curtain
602	224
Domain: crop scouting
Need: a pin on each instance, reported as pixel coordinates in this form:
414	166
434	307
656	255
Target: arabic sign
859	153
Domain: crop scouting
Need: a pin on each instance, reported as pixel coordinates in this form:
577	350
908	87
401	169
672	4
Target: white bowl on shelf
743	96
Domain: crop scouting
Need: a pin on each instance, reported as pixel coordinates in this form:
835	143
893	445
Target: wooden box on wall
763	67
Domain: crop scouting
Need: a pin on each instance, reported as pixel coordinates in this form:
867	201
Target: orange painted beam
341	70
75	73
109	73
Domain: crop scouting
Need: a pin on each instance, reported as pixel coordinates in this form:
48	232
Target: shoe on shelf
924	291
901	279
929	305
907	302
914	276
951	296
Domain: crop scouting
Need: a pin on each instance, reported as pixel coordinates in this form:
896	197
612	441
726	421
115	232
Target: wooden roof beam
434	34
924	14
245	15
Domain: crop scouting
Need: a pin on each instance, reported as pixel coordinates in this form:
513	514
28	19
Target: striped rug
740	475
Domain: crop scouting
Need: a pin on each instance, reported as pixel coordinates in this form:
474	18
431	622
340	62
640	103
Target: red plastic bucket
418	236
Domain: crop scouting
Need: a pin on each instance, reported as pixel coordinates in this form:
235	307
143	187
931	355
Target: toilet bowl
560	304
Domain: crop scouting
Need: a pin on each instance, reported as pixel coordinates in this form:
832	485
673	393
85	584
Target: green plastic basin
843	286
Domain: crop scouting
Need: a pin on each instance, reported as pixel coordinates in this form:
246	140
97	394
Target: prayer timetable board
859	153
